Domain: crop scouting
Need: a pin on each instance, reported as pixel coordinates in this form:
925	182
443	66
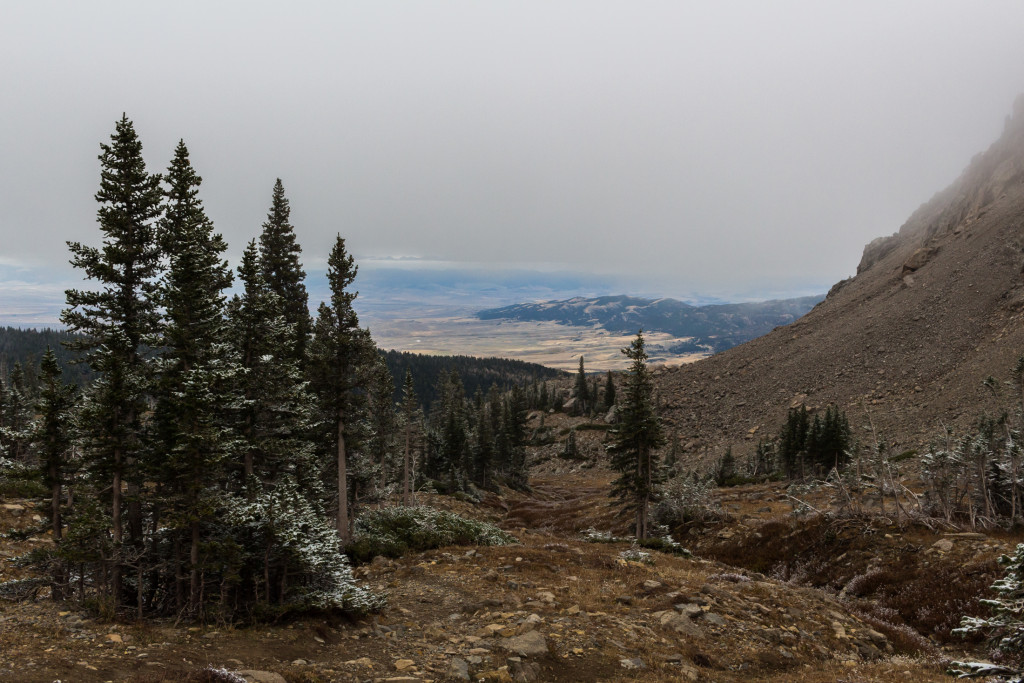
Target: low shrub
395	531
664	545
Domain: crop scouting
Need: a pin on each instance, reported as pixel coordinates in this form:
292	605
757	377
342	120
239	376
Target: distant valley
555	333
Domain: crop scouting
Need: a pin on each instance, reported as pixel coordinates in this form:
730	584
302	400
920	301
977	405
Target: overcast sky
712	147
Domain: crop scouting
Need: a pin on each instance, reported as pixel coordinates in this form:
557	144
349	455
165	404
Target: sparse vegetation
396	531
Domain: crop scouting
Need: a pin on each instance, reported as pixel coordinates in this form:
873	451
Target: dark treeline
214	465
25	347
478	374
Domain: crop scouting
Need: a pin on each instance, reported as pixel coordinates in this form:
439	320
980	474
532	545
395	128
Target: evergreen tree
119	320
17	416
513	427
609	391
52	437
196	371
410	409
792	442
672	457
272	406
582	390
4	400
337	351
544	401
282	271
483	446
382	421
726	469
635	438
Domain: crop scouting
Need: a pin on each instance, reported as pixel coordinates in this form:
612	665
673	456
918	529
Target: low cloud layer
719	147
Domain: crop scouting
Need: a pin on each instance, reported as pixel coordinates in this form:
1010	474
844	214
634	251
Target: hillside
933	310
713	327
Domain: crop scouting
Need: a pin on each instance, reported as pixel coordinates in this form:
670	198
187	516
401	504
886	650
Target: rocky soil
553	608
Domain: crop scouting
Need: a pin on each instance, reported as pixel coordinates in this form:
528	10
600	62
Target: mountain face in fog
935	309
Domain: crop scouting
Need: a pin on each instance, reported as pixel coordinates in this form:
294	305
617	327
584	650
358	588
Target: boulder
918	259
254	676
530	643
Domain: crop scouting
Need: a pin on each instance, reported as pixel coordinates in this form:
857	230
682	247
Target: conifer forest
207	454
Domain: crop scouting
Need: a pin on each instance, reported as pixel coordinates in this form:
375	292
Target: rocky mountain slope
905	344
713	327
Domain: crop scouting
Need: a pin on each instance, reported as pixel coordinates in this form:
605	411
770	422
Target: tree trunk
179	597
193	556
59	578
343	526
117	531
405	467
55	503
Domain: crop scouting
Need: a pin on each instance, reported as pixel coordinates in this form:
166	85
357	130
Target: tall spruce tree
338	349
119	320
635	438
197	372
582	390
282	271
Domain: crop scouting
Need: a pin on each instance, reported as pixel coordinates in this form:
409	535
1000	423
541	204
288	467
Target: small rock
403	664
13	509
362	661
715	619
689	609
523	672
943	545
299	662
458	668
651	585
632	664
114	638
679	623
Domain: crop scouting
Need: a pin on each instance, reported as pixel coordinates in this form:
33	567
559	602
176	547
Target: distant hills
711	328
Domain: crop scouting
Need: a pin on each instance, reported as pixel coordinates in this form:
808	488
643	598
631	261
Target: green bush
664	545
395	531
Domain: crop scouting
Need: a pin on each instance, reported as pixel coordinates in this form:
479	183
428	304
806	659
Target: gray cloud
713	147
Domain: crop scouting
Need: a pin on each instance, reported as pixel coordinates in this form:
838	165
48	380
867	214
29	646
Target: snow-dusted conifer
196	370
272	409
337	351
118	320
282	271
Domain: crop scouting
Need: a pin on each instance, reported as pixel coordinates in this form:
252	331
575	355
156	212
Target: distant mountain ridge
713	327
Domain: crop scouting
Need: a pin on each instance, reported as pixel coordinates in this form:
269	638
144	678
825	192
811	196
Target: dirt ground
554	607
